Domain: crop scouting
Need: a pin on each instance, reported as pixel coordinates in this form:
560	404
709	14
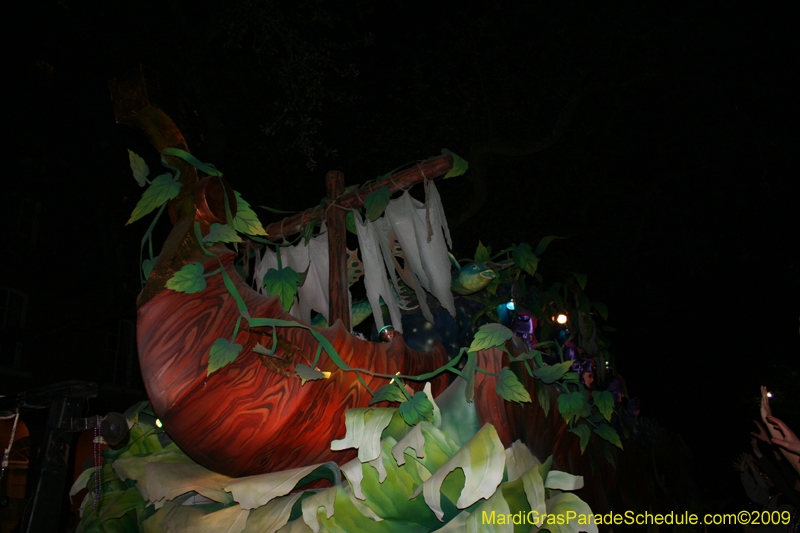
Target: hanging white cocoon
386	237
428	261
313	294
433	249
375	280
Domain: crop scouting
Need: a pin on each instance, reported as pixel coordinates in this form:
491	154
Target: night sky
657	140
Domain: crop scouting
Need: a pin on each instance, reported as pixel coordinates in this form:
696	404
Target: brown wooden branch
135	101
432	168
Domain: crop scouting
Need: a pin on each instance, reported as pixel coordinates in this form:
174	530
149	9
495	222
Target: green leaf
257	490
417	409
139	168
525	258
460	166
489	336
552	373
246	220
350	223
509	387
481	459
307	373
223	352
221	233
608	433
604	401
601	308
581	279
375	203
363	432
584	433
147	266
483	253
388	393
544	398
469	371
570	405
542	246
283	284
188	279
161	190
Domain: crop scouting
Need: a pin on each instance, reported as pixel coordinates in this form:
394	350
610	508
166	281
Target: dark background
659	140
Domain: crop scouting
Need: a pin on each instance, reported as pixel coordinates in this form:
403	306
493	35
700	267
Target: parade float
474	389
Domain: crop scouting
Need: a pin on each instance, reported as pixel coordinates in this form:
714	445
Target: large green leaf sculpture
405	479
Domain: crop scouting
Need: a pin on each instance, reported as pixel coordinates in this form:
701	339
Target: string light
561	318
510	305
158	422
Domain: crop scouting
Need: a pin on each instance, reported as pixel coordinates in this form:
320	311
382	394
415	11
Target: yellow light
561	318
396	374
158	423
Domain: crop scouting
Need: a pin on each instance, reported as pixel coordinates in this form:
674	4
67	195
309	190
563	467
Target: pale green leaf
584	433
608	433
510	388
364	427
167	481
489	336
567	505
311	505
246	220
460	166
139	168
552	373
481	518
283	284
161	190
191	519
221	233
559	480
437	414
522	464
223	352
254	491
375	203
135	467
604	401
272	516
188	279
482	460
417	409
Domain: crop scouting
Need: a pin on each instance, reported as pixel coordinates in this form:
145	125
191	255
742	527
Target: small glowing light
769	395
396	374
510	305
158	423
561	318
606	363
